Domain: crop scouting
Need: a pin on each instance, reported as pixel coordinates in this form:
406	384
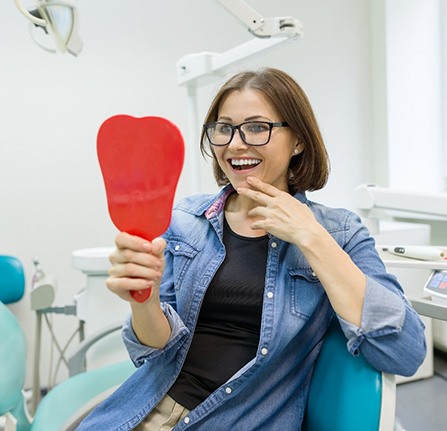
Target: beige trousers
164	417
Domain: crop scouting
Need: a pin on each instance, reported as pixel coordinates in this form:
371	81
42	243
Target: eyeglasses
254	133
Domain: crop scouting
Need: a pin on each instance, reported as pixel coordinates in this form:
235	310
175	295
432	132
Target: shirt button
270	295
264	351
274	244
228	390
186	420
177	247
314	273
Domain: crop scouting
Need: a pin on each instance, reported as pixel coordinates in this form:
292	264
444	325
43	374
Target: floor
422	404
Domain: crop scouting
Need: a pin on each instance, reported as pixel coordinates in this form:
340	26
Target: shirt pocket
182	256
305	292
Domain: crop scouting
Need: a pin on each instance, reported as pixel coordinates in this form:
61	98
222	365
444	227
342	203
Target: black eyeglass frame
241	134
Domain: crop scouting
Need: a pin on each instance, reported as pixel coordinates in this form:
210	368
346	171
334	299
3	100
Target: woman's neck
236	213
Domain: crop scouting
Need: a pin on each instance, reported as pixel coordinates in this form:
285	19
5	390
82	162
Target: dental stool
68	402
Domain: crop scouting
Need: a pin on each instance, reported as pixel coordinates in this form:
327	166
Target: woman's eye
225	129
256	128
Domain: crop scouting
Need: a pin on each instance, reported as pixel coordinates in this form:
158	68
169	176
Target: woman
245	283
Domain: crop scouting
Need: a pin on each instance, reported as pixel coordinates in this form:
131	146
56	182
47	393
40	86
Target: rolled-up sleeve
389	336
140	353
383	314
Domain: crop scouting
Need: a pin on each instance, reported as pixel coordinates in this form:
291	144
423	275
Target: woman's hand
279	213
137	264
288	219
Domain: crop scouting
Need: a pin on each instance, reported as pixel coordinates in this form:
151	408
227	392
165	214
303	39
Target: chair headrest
12	279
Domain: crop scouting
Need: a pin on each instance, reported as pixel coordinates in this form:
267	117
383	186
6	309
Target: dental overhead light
57	20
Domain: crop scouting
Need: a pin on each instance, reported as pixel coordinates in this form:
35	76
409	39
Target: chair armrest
72	399
73	421
76	361
388	402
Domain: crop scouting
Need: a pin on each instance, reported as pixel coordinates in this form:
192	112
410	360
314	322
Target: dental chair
346	393
67	403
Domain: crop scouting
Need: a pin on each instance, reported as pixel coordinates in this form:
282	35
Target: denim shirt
269	392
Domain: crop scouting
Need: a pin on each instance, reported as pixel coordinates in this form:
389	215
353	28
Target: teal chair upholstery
12	279
70	401
67	403
346	393
12	367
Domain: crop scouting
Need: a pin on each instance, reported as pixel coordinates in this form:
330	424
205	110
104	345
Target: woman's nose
237	141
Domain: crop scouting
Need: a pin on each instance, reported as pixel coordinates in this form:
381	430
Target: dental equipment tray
436	286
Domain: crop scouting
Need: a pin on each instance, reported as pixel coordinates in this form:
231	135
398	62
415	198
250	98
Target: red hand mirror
141	160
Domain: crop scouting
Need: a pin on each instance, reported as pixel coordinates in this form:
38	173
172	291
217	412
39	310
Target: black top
228	326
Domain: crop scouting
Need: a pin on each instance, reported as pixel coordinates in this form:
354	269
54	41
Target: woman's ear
298	149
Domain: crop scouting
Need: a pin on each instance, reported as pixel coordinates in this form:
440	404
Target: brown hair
309	170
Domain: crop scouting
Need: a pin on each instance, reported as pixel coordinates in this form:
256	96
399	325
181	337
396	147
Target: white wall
414	97
443	29
51	193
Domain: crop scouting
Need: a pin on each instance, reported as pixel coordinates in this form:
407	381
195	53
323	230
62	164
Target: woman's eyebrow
251	118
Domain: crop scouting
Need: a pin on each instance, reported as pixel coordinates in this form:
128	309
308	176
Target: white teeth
242	162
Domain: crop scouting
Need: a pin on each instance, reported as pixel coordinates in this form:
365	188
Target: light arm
28	15
260	26
270	32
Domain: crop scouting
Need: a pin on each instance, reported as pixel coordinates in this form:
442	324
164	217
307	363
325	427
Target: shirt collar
218	204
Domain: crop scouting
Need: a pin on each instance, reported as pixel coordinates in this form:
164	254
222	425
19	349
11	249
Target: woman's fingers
137	264
150	269
137	250
260	192
123	286
126	277
277	212
158	246
124	240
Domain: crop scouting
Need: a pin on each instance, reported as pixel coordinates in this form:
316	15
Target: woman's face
238	160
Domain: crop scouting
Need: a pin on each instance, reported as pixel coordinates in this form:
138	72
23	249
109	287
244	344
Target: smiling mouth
242	164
